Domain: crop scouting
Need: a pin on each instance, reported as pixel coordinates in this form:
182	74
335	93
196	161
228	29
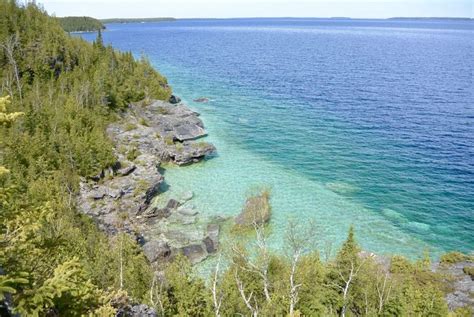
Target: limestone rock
257	210
157	251
189	153
145	136
195	252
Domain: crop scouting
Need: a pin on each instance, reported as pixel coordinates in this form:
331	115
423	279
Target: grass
163	111
133	154
142	187
169	140
130	126
143	122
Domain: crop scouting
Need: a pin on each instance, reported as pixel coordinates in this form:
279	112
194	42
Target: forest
58	94
80	24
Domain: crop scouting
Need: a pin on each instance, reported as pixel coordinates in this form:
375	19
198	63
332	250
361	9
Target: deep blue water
379	112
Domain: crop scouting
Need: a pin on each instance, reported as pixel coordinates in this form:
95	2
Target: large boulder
150	193
257	210
142	310
212	240
190	152
135	310
177	122
195	252
164	212
174	99
156	250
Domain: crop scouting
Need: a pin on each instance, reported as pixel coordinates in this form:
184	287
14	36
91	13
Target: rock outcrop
123	197
462	284
257	210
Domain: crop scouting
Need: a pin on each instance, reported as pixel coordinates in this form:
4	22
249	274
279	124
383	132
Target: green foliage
130	126
66	90
462	312
455	257
80	24
187	295
399	264
68	290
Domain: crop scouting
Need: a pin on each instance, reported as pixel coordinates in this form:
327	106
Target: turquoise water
348	122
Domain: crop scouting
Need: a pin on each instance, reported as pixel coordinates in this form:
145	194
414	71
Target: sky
259	8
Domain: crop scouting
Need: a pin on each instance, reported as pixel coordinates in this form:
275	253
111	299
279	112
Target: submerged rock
201	100
257	210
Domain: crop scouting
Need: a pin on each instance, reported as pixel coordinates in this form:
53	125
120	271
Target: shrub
169	140
454	257
400	264
469	270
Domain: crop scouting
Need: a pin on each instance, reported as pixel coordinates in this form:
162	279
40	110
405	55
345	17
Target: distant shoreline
136	20
169	19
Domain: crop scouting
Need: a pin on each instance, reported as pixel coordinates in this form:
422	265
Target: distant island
431	18
80	24
136	20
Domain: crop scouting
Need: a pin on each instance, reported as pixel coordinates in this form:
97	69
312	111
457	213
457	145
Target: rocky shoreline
123	198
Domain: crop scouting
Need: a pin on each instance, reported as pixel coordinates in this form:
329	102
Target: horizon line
287	17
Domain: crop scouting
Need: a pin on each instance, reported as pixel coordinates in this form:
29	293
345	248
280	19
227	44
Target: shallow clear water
366	122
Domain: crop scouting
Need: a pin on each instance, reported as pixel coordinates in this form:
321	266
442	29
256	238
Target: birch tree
300	239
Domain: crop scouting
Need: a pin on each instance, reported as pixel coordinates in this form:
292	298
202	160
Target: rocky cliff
122	198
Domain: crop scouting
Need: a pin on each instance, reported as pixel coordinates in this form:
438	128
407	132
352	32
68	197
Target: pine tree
6	119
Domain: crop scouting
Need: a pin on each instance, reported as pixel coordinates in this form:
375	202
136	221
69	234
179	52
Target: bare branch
299	239
9	47
216	295
247	299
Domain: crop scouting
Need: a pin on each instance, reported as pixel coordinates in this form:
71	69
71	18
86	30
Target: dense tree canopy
62	92
80	24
